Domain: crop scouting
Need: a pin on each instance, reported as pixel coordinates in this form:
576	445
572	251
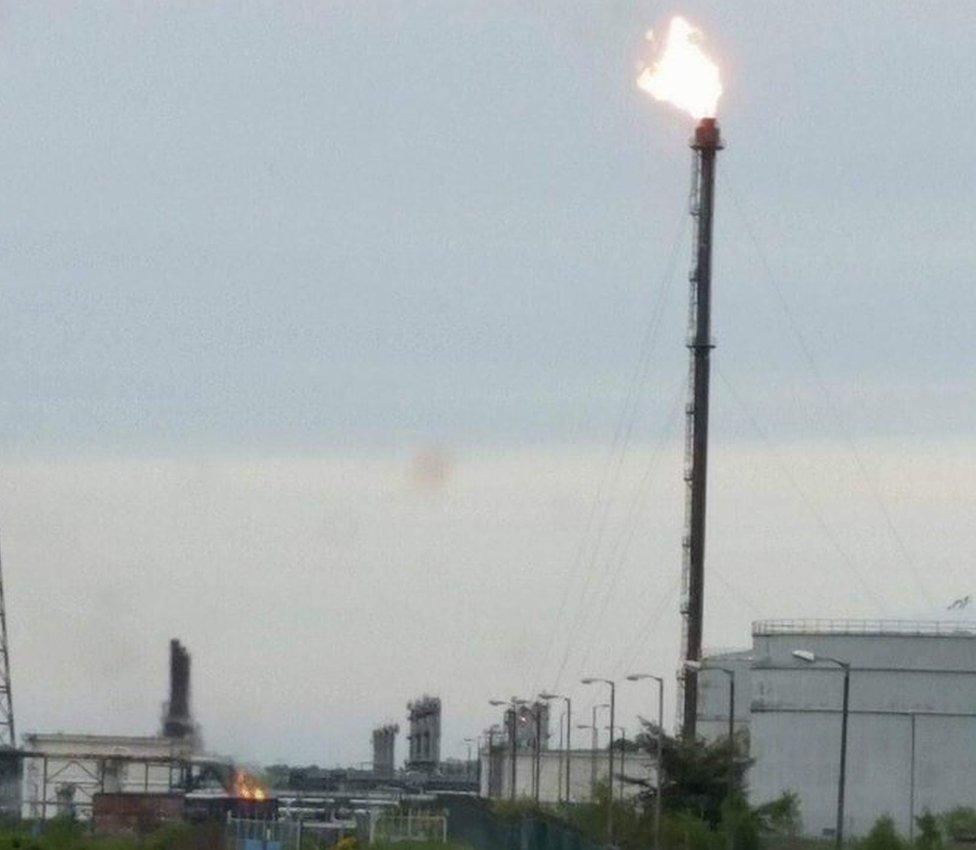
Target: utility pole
706	144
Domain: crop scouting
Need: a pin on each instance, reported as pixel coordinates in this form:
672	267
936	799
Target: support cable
869	479
852	568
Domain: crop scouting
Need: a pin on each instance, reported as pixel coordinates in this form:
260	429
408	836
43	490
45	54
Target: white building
912	721
62	773
587	769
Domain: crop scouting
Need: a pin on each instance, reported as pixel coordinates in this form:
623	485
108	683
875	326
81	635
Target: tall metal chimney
177	722
706	144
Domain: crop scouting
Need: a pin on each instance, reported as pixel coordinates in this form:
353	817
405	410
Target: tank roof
910	628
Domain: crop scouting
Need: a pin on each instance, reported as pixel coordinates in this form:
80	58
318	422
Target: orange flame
246	787
683	75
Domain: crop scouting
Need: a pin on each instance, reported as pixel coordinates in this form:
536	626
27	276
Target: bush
883	836
960	823
929	832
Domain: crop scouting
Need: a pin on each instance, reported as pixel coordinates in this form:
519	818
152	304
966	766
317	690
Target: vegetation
959	824
68	834
698	812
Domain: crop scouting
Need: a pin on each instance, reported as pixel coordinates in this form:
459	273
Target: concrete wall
586	767
912	731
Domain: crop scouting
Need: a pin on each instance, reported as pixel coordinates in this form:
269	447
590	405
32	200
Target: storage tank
912	719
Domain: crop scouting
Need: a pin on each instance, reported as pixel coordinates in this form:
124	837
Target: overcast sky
319	318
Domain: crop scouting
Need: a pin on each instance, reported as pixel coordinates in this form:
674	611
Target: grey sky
255	256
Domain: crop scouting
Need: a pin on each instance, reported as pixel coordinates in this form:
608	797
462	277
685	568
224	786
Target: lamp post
513	705
696	666
637	677
569	726
490	732
613	701
623	756
811	658
537	716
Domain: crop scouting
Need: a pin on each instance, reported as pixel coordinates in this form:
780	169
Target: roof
909	628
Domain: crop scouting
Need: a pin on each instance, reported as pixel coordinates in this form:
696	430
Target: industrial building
543	776
912	717
424	715
63	773
384	749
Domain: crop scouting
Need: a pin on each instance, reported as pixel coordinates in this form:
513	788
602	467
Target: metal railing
391	827
909	628
250	834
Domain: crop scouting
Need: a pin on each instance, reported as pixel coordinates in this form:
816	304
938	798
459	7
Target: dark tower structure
706	144
177	722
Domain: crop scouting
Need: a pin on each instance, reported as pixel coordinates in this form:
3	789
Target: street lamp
811	658
467	766
623	756
490	732
569	726
613	700
637	677
512	705
696	666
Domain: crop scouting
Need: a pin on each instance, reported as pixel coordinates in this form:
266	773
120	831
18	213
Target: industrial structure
424	715
384	749
62	774
912	717
177	722
706	144
542	776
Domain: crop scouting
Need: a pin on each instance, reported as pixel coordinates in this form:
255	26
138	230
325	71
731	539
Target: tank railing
762	628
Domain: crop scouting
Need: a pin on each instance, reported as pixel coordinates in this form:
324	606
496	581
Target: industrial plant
848	725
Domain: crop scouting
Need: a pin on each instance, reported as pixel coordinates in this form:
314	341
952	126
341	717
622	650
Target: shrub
929	832
960	823
883	836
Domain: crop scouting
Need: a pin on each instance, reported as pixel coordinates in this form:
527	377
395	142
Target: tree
696	773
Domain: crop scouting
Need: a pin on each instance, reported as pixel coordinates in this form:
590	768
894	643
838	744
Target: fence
249	834
393	826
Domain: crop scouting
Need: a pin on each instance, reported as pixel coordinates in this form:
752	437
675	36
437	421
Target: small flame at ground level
683	75
246	787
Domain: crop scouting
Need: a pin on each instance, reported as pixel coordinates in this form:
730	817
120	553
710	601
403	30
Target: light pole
569	726
811	658
637	677
594	740
513	705
490	732
613	702
695	667
537	716
623	756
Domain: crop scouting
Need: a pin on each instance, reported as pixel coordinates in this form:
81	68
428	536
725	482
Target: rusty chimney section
177	722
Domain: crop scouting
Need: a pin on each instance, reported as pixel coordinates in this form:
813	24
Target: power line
614	459
907	557
807	501
625	540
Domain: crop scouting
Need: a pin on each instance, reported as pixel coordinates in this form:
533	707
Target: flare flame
246	787
683	75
